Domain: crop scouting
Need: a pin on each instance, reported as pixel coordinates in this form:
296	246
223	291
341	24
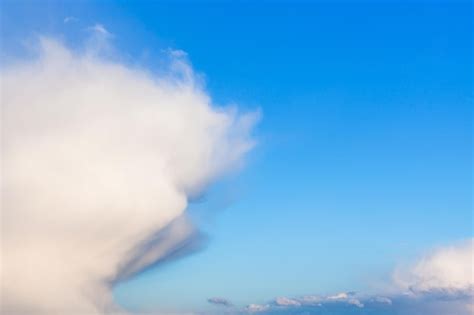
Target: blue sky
364	155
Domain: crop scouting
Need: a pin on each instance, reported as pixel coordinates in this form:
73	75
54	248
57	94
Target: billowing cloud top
97	157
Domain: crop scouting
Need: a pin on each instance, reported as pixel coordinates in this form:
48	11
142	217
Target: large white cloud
96	158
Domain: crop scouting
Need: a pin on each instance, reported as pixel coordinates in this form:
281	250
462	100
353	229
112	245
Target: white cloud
253	308
383	299
355	302
447	269
70	19
96	158
317	300
100	29
338	297
284	301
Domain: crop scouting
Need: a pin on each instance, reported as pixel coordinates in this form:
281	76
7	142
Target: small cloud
99	29
284	301
219	301
70	19
338	297
311	300
383	300
175	53
355	302
255	308
178	53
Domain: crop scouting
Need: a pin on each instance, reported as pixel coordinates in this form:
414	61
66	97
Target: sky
362	154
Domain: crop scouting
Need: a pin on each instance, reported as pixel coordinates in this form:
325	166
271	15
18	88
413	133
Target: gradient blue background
365	145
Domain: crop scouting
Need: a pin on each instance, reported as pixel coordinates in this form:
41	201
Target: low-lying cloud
99	160
438	283
220	301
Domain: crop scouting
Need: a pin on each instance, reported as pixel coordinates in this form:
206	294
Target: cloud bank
99	160
439	283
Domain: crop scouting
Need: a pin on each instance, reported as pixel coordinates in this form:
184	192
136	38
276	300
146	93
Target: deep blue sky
365	143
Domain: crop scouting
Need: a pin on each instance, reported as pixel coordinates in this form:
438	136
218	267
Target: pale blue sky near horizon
364	154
